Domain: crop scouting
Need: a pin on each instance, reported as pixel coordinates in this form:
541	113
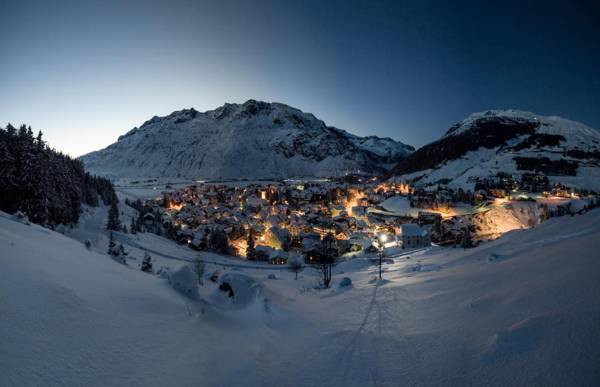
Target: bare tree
326	260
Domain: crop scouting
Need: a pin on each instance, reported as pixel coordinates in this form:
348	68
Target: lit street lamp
382	239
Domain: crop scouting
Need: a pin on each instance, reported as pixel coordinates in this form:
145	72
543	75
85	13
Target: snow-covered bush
345	282
147	264
214	277
20	217
185	281
226	287
117	252
164	272
237	291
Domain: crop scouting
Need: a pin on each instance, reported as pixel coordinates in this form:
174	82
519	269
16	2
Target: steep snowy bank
74	317
521	310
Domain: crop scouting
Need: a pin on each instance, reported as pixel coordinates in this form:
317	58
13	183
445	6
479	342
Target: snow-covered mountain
250	140
508	141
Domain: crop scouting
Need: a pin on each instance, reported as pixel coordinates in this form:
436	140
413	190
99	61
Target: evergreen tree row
47	185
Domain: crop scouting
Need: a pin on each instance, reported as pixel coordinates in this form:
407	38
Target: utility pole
380	261
382	239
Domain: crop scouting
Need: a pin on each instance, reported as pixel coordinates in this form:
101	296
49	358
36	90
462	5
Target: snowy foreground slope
522	310
250	140
509	141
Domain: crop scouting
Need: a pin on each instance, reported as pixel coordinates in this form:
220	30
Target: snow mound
502	219
495	257
422	268
345	282
20	217
246	292
400	205
526	335
185	281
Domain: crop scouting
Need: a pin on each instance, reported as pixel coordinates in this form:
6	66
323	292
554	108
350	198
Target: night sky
86	72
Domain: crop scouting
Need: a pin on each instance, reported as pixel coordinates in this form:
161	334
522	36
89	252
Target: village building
432	219
295	217
415	236
149	219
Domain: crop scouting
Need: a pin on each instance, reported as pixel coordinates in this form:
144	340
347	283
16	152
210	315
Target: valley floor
522	310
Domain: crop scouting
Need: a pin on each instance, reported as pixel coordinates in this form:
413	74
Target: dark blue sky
85	72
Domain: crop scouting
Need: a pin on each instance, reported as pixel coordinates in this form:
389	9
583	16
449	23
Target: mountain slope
250	140
509	141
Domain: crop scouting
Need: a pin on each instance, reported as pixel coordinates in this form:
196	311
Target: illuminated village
281	218
275	221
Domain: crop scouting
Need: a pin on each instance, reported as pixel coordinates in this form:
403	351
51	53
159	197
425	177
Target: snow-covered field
522	310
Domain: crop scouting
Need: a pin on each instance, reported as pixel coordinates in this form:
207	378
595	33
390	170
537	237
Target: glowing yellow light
173	206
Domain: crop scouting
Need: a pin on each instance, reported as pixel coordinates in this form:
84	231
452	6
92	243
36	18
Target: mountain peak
254	139
510	117
511	142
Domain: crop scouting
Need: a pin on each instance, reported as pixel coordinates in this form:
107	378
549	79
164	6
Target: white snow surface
250	140
522	310
400	205
549	124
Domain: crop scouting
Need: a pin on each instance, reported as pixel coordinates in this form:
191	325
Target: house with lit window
414	236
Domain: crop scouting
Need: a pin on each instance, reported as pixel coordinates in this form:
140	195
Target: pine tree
467	241
7	169
39	182
219	241
133	226
204	241
113	217
251	250
11	130
111	244
48	186
147	263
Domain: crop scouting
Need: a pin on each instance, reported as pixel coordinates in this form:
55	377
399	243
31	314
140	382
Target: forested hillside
46	185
